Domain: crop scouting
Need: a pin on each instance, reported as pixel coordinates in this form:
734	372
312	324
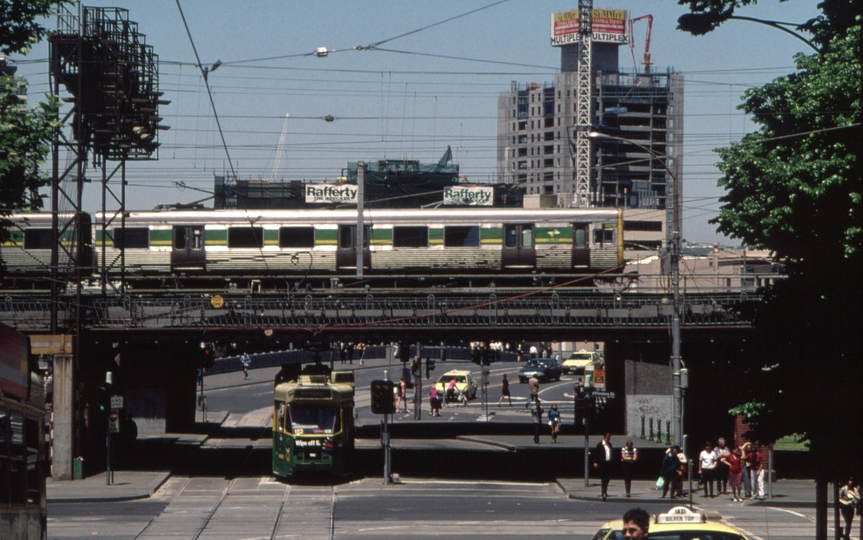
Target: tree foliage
19	26
794	187
25	132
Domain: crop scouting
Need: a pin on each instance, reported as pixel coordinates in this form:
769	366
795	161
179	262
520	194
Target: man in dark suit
603	455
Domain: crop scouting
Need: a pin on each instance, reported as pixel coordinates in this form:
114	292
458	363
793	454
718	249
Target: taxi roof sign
681	514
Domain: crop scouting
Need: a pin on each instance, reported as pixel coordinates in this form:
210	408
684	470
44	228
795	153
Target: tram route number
217	301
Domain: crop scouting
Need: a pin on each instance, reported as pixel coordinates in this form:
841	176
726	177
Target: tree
794	187
25	132
18	23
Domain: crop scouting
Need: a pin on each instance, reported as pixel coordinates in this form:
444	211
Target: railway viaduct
152	343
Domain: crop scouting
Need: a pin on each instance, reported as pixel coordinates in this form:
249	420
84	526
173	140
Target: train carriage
313	423
404	246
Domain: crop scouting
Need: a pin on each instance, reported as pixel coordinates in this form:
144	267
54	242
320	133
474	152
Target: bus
23	510
313	422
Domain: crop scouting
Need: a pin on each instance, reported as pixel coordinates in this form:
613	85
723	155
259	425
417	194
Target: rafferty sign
331	193
468	196
608	26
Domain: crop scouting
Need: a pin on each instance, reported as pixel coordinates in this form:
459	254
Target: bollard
642	426
651	429
658	430
668	433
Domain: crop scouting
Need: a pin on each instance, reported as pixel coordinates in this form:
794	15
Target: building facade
536	139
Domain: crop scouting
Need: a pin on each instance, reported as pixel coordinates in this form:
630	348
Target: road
261	507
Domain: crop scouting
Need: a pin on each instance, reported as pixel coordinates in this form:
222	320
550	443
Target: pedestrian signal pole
418	384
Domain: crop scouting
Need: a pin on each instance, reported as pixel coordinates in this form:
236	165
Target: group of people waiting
741	468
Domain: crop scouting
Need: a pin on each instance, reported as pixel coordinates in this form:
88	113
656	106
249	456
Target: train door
519	246
580	246
346	253
187	247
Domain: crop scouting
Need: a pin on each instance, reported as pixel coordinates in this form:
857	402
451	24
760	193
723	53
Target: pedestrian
504	391
536	415
434	401
554	422
361	346
450	391
402	394
343	349
744	454
350	349
707	467
628	457
681	473
246	361
734	463
756	470
636	524
849	500
603	457
721	471
533	351
533	388
519	354
669	470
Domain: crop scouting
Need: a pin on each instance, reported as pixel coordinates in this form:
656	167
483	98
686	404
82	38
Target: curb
488	442
151	488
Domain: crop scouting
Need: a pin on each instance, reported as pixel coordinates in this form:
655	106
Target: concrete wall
648	394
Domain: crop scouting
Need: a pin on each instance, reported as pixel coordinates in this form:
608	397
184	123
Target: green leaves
25	136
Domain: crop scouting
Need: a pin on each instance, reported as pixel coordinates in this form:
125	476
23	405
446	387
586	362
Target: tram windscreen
311	420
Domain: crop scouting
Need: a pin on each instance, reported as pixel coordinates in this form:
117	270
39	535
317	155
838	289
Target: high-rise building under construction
636	127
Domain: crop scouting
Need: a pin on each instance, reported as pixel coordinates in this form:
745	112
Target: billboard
331	193
14	362
468	196
608	26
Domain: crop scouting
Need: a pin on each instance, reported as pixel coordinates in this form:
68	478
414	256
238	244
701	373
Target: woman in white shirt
707	467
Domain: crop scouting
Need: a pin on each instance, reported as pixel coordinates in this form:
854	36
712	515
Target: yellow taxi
464	383
679	523
577	361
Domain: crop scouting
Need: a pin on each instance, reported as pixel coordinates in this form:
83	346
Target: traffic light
429	367
382	397
487	356
442	354
416	367
475	356
208	357
404	352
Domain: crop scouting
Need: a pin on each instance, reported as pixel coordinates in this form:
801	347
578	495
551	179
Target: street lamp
677	394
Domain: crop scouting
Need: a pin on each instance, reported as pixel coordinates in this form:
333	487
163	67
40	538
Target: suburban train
278	248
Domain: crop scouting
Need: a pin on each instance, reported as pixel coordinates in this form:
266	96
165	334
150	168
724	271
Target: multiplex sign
468	196
607	26
329	193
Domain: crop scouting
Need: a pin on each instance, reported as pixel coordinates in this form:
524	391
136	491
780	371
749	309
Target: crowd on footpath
718	468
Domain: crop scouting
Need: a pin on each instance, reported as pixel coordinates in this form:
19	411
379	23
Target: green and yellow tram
313	423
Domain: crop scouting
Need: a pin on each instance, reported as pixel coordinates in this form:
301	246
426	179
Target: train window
37	239
579	235
458	236
4	456
31	440
511	237
348	236
130	238
296	237
527	237
179	238
245	237
603	236
17	463
410	236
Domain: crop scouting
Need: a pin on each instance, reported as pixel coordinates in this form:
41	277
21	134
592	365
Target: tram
313	422
23	464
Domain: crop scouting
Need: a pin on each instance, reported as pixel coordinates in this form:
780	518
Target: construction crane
632	22
280	148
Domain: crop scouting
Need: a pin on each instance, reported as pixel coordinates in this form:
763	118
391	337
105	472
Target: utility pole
677	395
361	184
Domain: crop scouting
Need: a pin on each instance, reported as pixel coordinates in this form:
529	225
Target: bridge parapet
447	308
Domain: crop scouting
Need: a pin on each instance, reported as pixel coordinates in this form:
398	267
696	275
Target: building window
37	239
522	125
522	164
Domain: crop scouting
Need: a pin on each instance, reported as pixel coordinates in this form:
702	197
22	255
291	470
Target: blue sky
429	89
